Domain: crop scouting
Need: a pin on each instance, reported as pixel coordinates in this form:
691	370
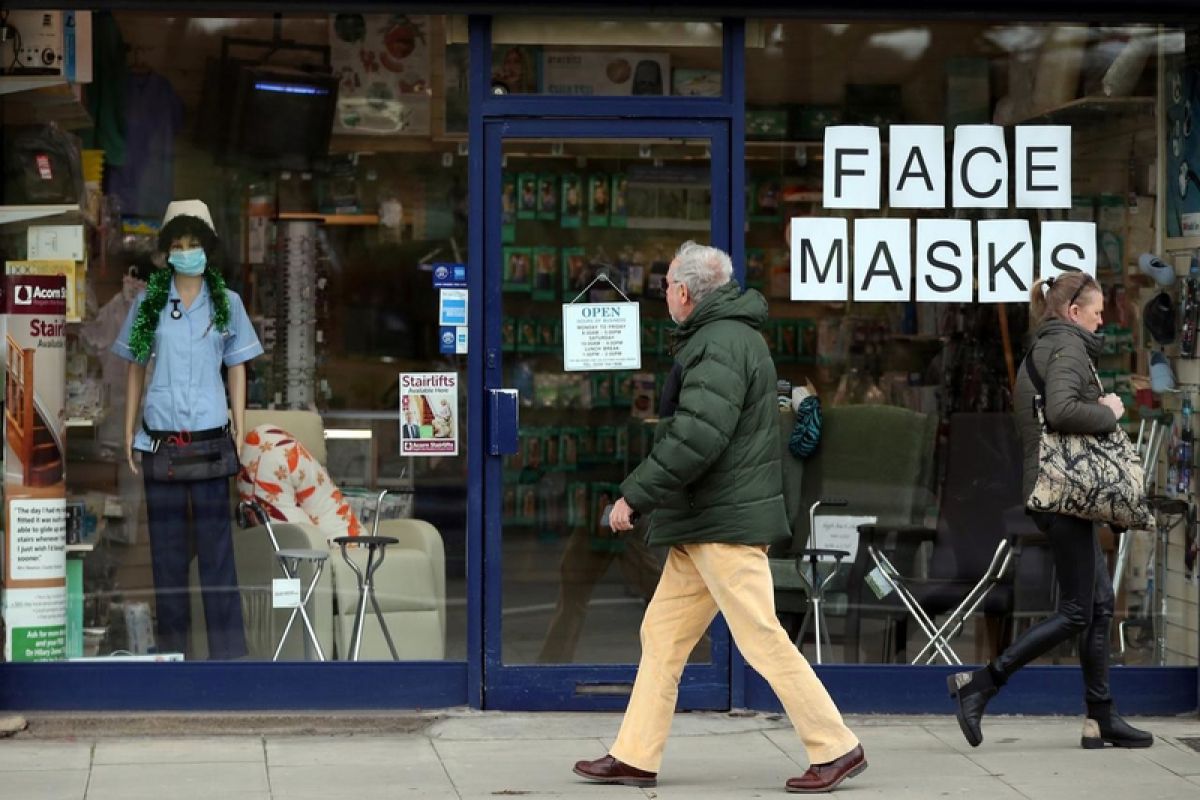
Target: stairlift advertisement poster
34	602
428	413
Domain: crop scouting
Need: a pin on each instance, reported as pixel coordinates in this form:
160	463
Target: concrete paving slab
53	756
348	751
886	786
197	750
1143	787
502	767
66	784
361	782
237	781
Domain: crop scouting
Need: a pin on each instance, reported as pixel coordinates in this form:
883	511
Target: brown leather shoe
609	770
826	777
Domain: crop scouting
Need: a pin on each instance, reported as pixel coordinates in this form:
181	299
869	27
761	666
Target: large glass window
329	153
917	393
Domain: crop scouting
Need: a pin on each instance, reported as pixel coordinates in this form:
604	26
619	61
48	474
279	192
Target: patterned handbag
1094	476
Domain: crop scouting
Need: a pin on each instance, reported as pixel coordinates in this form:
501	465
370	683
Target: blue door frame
562	687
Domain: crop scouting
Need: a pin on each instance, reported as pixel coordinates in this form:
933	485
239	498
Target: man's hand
621	517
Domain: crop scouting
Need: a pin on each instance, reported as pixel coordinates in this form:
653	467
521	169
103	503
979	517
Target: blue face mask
188	262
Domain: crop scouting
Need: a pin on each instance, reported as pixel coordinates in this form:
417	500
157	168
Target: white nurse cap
189	208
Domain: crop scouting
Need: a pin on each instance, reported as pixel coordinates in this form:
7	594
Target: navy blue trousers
167	506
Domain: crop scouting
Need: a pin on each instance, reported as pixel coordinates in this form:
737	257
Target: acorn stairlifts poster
34	601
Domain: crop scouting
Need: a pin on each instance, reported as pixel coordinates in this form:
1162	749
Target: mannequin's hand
129	455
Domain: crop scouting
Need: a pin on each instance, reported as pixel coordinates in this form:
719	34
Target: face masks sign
944	260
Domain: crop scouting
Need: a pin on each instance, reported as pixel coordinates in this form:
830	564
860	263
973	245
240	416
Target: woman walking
1068	311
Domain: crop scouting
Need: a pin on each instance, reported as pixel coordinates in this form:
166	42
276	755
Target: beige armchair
410	585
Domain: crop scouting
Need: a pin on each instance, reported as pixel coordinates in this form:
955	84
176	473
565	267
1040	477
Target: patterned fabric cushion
292	486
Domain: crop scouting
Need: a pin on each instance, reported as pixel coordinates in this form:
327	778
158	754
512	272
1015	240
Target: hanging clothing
145	181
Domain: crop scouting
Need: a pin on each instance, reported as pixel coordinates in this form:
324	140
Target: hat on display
1155	267
1161	377
1159	318
189	208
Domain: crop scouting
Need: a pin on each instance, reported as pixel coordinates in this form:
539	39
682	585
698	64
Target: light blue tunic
186	392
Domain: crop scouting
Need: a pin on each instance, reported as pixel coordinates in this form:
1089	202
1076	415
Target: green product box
619	201
574	272
756	268
547	201
606	443
527	335
545	270
527	197
622	389
568	442
508	334
766	123
598	201
527	505
785	338
572	201
551	448
602	389
578	505
810	121
518	266
508	208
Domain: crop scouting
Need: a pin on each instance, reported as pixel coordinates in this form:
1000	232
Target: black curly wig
187	225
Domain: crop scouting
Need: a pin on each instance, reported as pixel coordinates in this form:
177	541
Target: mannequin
192	325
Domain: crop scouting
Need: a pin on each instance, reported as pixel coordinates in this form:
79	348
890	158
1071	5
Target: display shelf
80	548
329	219
26	213
79	422
36	99
1085	111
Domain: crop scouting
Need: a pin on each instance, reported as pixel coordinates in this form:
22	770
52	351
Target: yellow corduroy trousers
697	581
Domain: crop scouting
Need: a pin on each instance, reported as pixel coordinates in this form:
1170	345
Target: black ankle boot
972	691
1104	726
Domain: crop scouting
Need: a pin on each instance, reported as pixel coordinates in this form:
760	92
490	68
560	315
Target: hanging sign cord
601	277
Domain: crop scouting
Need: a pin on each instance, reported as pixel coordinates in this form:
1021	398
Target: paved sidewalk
466	754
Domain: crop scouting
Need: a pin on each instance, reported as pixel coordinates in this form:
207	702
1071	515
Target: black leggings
1085	606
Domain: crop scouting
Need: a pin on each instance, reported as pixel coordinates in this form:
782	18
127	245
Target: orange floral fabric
291	485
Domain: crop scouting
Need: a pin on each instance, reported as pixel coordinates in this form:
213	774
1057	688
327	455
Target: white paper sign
820	258
285	593
1043	174
917	166
1069	244
55	242
837	532
38	550
1005	261
980	178
945	255
882	260
452	307
601	336
852	171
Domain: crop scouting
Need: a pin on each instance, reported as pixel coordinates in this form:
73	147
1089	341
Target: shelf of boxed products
1083	112
37	99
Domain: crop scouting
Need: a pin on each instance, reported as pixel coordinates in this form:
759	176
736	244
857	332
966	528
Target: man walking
713	481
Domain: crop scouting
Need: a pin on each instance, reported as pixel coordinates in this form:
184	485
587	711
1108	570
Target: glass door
584	212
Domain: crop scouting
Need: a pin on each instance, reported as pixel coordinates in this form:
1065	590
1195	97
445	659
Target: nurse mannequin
192	326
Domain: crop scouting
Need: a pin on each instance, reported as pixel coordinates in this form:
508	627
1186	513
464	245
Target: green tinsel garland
141	339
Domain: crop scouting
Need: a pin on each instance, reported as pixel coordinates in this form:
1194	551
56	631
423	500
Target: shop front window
327	155
915	353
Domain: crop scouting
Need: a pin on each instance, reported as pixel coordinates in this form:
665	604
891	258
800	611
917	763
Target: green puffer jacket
1063	354
714	473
